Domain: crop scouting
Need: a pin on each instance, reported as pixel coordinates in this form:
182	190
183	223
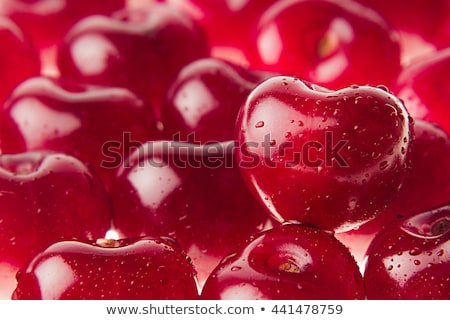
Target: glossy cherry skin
240	17
192	193
141	49
427	184
46	21
425	88
332	159
328	43
410	259
18	58
203	102
75	119
47	197
290	262
128	269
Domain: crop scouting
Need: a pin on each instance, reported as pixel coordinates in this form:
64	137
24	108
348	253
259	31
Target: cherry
328	43
290	262
18	59
46	21
46	197
410	259
141	49
207	91
192	193
50	114
427	184
332	159
425	88
128	269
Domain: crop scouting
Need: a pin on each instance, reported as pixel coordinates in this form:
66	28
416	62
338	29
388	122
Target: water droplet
383	165
382	87
440	253
259	124
376	155
354	86
273	142
417	262
235	268
390	267
337	112
300	123
415	251
288	134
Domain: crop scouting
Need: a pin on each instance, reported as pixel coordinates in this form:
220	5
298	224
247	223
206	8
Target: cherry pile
197	149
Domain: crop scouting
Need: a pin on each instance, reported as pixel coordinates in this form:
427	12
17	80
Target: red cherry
427	184
18	59
141	49
291	262
425	88
192	193
45	198
332	159
46	21
207	91
328	43
128	269
410	259
75	119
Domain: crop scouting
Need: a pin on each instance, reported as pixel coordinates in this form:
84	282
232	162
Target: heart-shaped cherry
192	193
290	262
410	259
83	121
129	269
332	159
330	43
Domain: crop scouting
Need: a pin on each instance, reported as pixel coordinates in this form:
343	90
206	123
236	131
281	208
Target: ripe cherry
128	269
332	159
46	197
140	49
207	91
290	262
410	259
192	193
330	43
79	120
